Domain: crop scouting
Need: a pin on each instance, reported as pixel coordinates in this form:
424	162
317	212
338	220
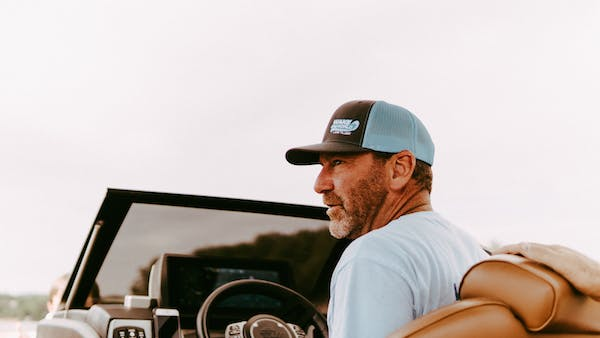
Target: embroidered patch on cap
344	126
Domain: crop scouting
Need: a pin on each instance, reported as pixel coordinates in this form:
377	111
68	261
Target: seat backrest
538	299
477	317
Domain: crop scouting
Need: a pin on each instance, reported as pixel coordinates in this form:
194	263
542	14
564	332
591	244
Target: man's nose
323	183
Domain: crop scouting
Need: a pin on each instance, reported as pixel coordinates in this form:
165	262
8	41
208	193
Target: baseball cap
365	125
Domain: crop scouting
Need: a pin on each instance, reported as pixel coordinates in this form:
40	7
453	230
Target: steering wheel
294	306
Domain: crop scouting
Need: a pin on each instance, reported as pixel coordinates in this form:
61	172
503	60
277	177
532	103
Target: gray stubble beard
370	194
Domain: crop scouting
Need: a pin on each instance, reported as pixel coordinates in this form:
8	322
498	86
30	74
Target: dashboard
183	282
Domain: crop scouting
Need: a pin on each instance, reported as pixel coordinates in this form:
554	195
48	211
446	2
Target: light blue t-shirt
397	273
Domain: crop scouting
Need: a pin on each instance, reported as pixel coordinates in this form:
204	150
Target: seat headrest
539	296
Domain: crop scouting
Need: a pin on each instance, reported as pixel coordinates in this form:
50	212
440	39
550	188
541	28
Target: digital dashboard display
191	279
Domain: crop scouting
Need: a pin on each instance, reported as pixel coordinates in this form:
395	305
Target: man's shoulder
421	226
410	227
380	247
398	234
411	237
421	218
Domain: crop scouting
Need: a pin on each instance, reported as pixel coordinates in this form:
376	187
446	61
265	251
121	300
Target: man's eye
336	162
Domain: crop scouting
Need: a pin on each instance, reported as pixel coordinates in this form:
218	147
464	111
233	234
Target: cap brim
310	154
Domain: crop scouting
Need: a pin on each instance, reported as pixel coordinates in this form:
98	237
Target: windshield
150	230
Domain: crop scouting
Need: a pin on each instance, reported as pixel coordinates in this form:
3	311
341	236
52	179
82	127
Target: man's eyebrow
330	156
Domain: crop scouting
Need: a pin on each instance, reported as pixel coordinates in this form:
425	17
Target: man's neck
404	204
418	201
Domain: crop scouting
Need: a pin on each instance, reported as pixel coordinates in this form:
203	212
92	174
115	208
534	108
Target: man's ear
403	165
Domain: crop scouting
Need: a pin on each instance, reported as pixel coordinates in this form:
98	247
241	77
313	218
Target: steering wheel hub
266	326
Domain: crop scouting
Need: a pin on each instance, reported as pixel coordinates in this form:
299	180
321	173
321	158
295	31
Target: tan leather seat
510	296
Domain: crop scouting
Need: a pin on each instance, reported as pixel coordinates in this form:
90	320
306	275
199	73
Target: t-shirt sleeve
363	288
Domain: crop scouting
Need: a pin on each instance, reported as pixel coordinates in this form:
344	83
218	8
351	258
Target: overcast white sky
204	97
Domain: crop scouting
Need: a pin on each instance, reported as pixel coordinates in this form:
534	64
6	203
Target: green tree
31	307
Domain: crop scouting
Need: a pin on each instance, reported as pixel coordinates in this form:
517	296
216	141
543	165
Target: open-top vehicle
172	265
149	251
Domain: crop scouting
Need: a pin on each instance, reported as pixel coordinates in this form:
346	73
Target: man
56	292
405	260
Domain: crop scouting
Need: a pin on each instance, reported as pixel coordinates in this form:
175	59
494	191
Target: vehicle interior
172	265
148	251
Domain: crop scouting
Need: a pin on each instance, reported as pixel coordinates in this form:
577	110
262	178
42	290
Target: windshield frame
117	204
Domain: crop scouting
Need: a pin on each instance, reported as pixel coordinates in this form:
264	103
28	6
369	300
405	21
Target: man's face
354	189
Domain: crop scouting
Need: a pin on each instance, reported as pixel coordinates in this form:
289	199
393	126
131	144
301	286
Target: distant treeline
306	252
32	307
